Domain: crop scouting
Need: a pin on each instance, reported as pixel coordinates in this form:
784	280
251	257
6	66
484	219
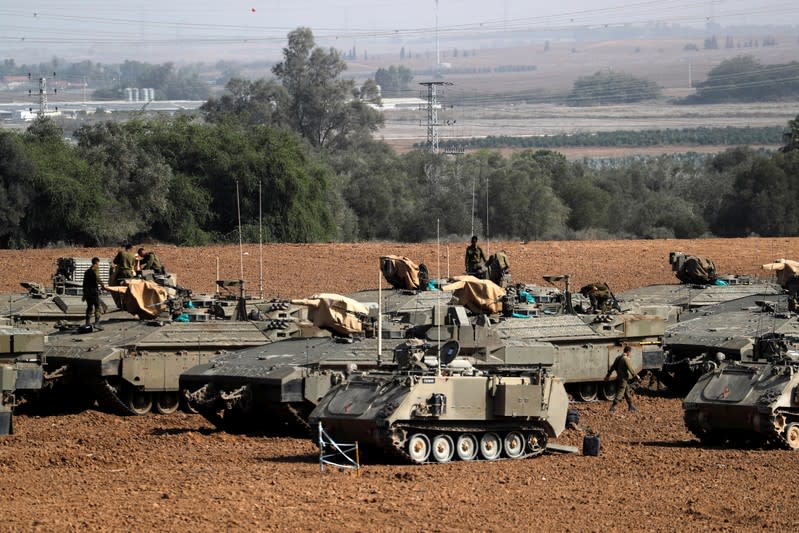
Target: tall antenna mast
432	113
438	51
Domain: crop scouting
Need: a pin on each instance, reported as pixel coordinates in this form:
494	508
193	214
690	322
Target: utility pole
42	94
432	113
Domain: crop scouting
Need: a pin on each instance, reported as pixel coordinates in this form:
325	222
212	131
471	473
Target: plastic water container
591	445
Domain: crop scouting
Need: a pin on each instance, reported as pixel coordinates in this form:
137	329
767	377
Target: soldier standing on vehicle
623	366
92	285
124	264
475	258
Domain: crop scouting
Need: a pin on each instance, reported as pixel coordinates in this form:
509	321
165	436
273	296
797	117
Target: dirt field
95	471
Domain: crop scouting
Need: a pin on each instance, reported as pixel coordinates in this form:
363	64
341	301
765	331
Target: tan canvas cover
328	310
477	295
785	269
145	299
400	272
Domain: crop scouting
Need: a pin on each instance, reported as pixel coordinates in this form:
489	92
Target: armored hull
725	331
750	402
430	416
263	388
20	369
132	366
579	348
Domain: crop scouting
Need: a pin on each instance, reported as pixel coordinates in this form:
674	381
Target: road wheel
514	445
536	443
608	390
490	446
792	436
419	448
138	401
442	448
466	447
167	402
586	392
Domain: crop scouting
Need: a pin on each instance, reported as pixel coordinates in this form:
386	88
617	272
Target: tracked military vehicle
20	369
749	402
434	409
61	301
262	388
249	390
133	363
725	331
699	287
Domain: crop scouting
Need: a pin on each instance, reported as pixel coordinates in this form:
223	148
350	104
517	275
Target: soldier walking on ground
475	258
92	285
623	366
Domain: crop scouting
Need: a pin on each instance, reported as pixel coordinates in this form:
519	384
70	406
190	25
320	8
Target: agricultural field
95	471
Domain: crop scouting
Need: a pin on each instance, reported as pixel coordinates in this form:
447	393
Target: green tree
320	108
604	88
249	102
16	189
394	81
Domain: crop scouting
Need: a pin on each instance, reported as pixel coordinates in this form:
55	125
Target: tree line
728	135
294	159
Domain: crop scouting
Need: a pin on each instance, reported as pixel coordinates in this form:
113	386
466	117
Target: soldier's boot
631	407
613	406
97	325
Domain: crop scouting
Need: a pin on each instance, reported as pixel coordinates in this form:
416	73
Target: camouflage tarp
145	299
697	269
477	295
785	270
400	272
339	313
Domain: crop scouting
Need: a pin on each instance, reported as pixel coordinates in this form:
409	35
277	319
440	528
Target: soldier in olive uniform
124	264
599	295
475	258
92	285
149	261
623	366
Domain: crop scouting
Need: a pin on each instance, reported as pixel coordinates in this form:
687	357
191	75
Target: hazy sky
85	27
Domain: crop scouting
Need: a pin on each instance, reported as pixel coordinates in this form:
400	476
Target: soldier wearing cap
623	366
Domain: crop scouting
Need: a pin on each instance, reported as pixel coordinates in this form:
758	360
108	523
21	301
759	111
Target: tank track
720	437
400	452
108	398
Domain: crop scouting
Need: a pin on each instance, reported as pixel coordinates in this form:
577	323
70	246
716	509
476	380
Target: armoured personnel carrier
434	409
133	363
749	402
20	369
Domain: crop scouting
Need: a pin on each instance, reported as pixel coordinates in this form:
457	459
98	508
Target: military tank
270	386
61	301
749	402
435	409
133	362
20	369
725	331
700	286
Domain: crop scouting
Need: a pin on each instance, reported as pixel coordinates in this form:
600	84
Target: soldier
599	295
149	261
124	264
475	258
92	285
625	373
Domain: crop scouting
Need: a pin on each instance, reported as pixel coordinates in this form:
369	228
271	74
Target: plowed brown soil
95	471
